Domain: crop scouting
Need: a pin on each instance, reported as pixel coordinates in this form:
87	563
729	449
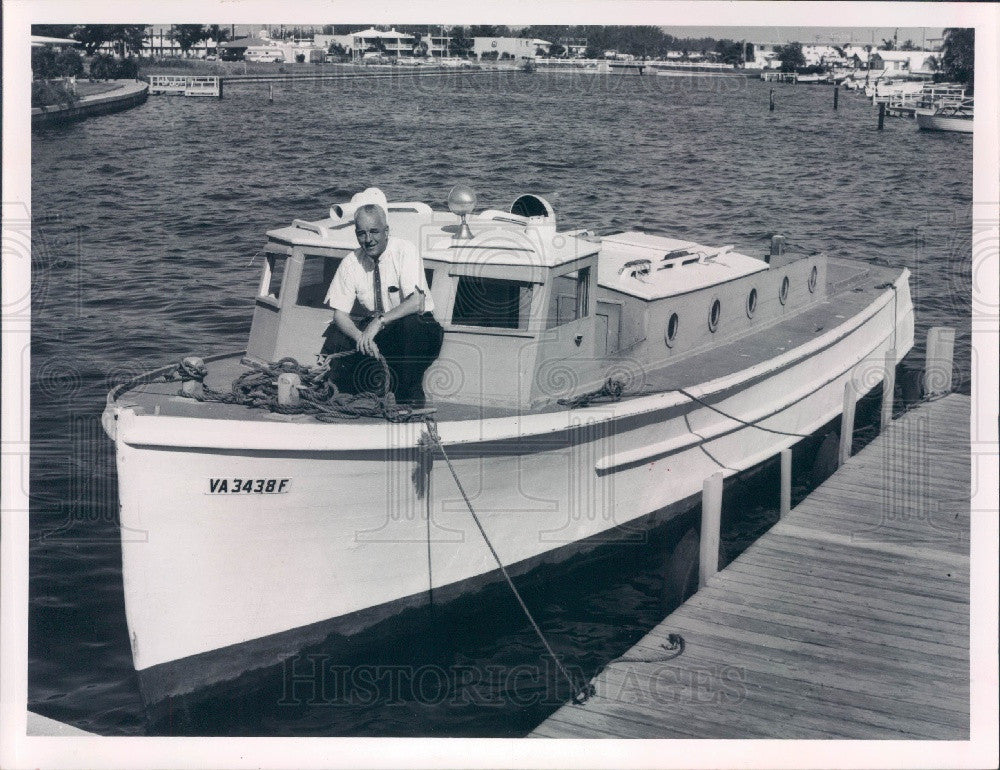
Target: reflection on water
146	223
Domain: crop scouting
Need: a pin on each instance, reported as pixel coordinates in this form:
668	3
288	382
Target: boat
948	117
814	78
587	385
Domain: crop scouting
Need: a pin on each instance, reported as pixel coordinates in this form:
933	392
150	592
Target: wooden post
771	98
847	423
881	115
888	388
270	92
221	82
836	94
938	361
711	521
786	482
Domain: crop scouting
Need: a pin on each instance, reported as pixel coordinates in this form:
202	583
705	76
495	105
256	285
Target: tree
69	63
460	44
93	36
217	33
43	62
187	35
958	55
557	49
127	38
729	52
888	45
64	31
489	30
791	56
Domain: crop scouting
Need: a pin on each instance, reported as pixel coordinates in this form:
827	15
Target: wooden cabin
532	314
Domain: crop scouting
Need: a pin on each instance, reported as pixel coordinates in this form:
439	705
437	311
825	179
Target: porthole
813	277
783	294
713	316
672	325
751	303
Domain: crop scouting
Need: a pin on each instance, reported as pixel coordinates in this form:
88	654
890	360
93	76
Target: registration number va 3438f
239	486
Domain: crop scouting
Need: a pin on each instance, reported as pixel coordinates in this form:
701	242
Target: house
922	62
508	47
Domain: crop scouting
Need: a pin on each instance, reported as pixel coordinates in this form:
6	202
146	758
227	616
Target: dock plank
848	619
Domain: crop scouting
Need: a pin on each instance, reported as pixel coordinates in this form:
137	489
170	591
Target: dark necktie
379	307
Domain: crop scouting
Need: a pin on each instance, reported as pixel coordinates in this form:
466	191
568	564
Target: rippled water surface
146	223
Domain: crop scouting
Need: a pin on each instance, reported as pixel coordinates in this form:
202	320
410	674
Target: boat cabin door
568	339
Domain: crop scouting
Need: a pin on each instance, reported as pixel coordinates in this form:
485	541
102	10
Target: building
921	62
509	47
576	47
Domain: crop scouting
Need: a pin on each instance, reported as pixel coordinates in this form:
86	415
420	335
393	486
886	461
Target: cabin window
429	275
274	273
783	293
672	325
751	303
813	277
713	316
570	297
317	273
492	302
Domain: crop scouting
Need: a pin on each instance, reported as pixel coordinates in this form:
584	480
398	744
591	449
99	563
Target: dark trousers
409	345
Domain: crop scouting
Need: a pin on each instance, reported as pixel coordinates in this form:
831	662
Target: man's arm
366	338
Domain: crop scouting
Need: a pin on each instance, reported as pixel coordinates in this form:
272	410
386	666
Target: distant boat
948	117
814	78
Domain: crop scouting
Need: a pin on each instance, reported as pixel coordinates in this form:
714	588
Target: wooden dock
848	619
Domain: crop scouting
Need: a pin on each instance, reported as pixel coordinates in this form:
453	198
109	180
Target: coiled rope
318	395
432	438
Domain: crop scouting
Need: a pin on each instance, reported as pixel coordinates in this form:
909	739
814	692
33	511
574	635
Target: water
146	223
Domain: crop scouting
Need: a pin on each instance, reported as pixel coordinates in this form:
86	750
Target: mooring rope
580	695
318	395
675	645
613	389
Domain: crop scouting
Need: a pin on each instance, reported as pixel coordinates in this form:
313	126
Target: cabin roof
674	266
508	241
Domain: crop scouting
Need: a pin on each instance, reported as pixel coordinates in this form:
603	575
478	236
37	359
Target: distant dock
214	85
848	619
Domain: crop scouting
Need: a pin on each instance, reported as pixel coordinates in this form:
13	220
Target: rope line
580	695
318	395
675	645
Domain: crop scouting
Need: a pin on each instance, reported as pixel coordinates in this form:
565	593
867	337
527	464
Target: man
386	276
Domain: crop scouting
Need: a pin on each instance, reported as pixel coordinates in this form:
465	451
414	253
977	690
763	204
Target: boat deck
851	288
848	619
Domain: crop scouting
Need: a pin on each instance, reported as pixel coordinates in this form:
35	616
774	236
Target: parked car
266	56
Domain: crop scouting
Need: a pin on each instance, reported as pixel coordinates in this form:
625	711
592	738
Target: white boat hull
339	528
944	123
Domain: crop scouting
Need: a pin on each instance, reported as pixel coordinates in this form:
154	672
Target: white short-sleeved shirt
400	269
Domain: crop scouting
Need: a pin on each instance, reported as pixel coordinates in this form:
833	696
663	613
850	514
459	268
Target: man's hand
366	342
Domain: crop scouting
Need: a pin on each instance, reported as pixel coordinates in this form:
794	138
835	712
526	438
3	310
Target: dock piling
847	423
888	388
938	361
771	98
270	92
786	482
711	521
881	115
836	94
